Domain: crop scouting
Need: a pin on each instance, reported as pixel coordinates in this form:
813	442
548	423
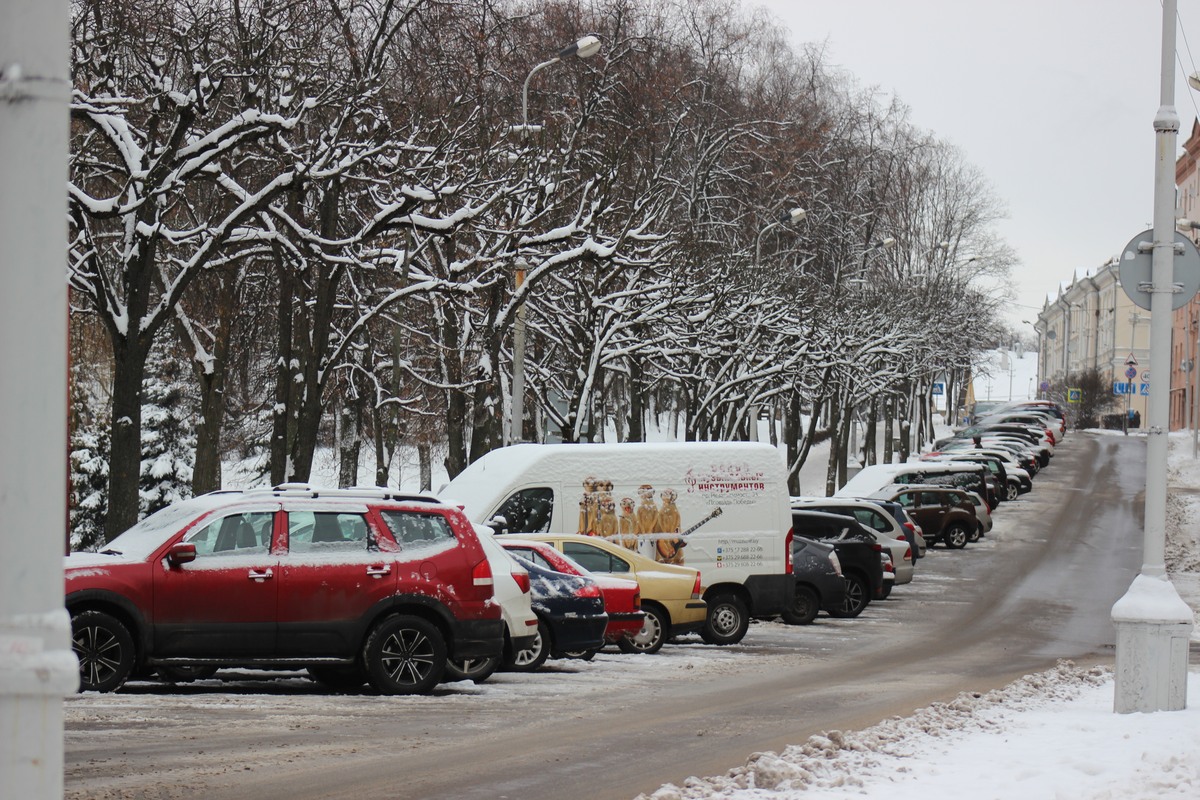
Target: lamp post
886	243
791	216
1153	623
583	48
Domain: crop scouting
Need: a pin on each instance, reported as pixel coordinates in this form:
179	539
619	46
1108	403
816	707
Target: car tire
1014	491
858	595
956	536
651	637
976	533
885	591
105	651
404	655
477	670
185	674
581	655
727	620
532	657
803	608
339	678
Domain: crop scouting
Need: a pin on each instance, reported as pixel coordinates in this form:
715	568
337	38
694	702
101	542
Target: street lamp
583	48
792	215
887	243
586	47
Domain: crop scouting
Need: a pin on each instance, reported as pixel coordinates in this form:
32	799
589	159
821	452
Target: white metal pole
37	665
1153	623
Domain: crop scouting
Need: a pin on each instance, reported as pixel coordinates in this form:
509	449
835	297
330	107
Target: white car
511	590
875	519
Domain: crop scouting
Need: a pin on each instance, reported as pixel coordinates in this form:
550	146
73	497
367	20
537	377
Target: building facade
1092	324
1185	323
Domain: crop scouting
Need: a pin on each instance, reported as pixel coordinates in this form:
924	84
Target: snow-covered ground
1048	736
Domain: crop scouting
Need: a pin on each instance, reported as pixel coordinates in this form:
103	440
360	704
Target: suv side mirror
498	523
181	553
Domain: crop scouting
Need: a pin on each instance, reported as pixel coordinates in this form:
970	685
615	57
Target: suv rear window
415	529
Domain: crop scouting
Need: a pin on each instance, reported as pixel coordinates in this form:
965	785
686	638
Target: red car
622	598
354	585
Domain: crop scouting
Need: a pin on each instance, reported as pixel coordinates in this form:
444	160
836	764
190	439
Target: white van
721	507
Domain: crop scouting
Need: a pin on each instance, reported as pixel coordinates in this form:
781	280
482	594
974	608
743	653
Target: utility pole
37	665
1153	623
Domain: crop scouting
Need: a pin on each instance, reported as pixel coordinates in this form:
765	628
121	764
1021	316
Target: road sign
1131	372
1135	270
1074	395
1044	386
1131	361
1145	390
939	388
1146	376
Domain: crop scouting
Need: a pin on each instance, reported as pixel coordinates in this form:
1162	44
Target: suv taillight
522	579
696	588
482	574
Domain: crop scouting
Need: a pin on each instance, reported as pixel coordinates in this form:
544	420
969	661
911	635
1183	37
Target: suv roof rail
297	489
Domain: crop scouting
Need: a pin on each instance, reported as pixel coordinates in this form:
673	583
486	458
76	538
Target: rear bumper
478	638
578	632
623	623
770	594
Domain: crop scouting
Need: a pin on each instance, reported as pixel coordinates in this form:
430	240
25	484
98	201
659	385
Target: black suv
857	550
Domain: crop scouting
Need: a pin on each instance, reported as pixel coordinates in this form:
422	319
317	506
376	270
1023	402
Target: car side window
326	532
414	529
533	556
528	511
593	559
871	519
248	533
906	499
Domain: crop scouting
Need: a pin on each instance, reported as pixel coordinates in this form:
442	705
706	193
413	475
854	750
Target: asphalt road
1039	588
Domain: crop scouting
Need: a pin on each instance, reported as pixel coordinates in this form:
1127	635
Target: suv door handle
256	575
379	571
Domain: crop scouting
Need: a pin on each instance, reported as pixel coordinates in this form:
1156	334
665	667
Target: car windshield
143	538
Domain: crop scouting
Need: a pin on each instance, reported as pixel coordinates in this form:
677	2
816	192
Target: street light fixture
586	47
792	216
886	243
583	48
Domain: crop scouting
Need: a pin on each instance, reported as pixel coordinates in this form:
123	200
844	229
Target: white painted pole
37	665
1153	623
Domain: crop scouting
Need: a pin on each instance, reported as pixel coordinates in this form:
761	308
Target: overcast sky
1053	100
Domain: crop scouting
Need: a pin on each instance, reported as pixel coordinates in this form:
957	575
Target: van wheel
727	620
803	608
405	655
104	648
650	638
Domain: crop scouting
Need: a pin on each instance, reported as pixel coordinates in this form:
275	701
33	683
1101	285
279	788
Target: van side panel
719	507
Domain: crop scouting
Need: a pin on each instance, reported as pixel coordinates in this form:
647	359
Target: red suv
356	585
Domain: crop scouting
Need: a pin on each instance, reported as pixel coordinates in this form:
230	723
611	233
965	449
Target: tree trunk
125	459
425	466
844	440
889	420
283	411
869	444
835	449
637	401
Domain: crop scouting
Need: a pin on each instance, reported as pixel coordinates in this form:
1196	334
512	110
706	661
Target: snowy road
1038	588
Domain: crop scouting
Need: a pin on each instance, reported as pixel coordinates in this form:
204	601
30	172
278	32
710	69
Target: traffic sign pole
1153	623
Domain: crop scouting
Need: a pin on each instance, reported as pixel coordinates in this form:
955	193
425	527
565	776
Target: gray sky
1053	101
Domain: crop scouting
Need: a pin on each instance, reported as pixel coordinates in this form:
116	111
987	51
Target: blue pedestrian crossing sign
1074	395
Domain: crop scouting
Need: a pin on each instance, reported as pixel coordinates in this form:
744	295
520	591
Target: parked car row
404	591
881	521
